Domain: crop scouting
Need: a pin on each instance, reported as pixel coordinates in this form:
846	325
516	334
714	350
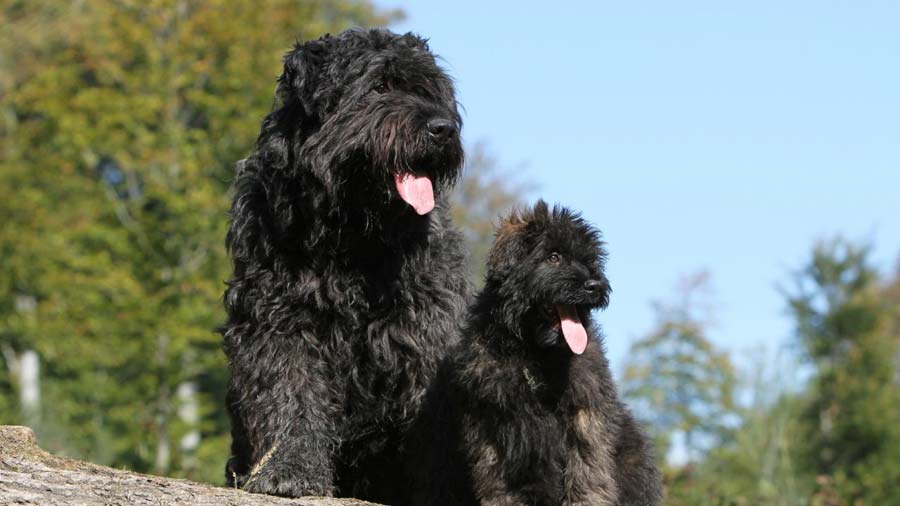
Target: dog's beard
418	165
418	177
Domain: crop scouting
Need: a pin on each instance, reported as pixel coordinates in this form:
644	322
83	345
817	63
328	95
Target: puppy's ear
508	245
541	209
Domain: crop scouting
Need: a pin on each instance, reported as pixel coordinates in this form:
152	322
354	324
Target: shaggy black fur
343	298
515	416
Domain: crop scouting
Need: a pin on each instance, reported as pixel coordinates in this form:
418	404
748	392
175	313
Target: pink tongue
415	191
572	328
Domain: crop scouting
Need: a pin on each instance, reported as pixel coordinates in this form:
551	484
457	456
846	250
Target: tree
485	193
755	464
678	382
121	122
844	330
32	477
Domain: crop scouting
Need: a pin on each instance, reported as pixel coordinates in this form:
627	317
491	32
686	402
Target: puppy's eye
554	258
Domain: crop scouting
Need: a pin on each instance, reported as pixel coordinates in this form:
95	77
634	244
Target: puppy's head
374	117
547	266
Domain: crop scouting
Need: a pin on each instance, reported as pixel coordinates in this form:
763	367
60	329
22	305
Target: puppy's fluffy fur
522	413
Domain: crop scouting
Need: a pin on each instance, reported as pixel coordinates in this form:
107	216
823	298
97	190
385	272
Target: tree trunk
30	386
29	476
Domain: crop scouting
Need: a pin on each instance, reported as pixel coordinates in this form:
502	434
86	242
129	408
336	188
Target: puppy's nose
441	129
593	285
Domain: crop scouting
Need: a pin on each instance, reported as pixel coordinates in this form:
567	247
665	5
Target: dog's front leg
288	407
491	487
590	479
637	477
303	467
504	500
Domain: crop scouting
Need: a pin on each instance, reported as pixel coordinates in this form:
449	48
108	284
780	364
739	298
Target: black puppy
525	412
349	278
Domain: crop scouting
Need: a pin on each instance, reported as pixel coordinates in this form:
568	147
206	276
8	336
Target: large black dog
525	410
349	278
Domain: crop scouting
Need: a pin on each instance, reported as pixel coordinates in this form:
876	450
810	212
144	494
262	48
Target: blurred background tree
754	463
678	382
486	192
767	436
846	330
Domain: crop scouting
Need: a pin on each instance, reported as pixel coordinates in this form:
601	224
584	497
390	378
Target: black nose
441	129
593	285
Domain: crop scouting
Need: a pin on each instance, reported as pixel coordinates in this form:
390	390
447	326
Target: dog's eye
554	258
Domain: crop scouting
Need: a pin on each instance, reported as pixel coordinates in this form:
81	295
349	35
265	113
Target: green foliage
834	442
755	465
679	383
121	122
847	330
485	193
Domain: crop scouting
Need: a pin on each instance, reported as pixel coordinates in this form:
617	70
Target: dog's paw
285	481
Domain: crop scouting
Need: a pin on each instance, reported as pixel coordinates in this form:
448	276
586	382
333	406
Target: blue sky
725	136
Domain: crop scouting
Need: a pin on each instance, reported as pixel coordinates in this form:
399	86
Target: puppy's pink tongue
415	191
572	329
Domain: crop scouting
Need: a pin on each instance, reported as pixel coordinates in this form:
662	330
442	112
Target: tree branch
30	476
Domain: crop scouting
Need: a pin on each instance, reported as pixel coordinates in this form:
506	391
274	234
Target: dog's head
374	117
547	266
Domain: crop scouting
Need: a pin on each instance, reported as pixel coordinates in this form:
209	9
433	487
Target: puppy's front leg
506	500
589	467
637	476
491	488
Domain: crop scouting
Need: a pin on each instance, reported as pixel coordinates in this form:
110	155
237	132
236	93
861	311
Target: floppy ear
265	206
300	78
